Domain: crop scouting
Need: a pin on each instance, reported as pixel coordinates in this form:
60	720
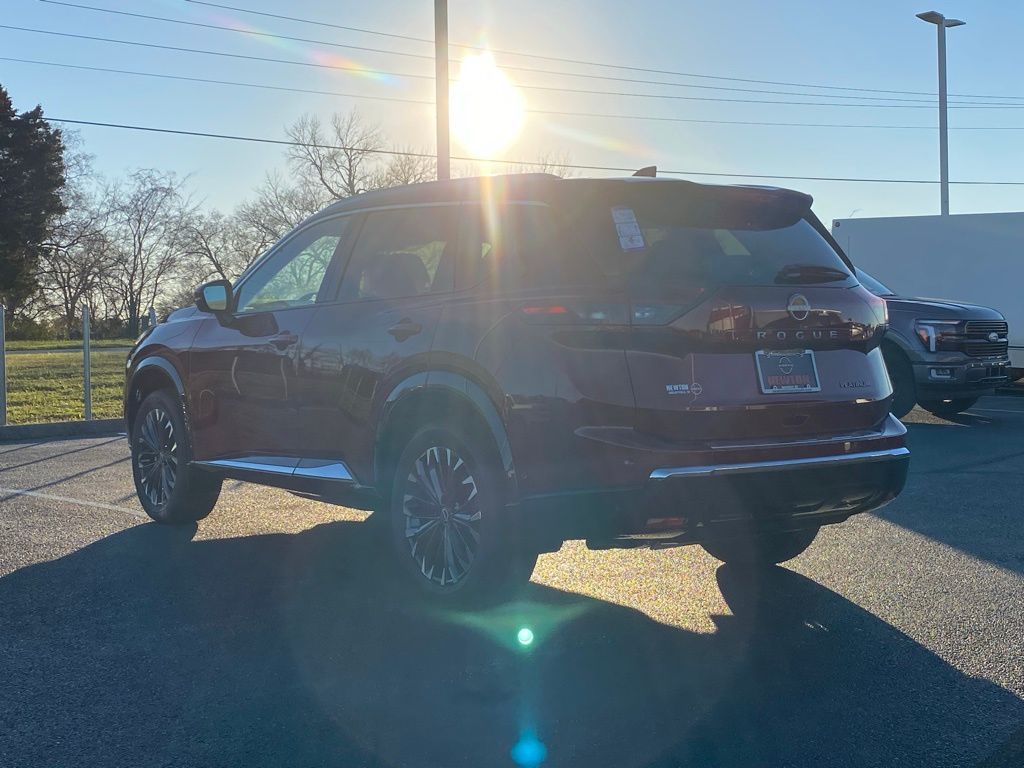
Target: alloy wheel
442	516
156	456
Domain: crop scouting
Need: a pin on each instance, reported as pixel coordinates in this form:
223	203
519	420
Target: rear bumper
787	487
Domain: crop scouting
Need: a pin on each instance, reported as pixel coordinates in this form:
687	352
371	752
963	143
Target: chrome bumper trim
814	462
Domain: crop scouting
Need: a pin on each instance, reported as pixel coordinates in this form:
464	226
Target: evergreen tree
31	177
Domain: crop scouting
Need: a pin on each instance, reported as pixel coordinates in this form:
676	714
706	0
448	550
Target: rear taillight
575	312
655	314
880	308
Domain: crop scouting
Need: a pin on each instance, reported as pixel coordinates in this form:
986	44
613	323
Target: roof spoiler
650	171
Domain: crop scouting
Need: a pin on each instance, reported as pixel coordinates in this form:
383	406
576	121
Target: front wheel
450	530
904	388
950	407
760	549
170	490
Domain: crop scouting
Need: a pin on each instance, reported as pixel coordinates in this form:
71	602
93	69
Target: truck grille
985	348
983	328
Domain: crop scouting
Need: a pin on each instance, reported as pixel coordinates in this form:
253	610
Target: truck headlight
933	332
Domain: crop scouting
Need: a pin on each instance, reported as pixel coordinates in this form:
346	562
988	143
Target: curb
94	428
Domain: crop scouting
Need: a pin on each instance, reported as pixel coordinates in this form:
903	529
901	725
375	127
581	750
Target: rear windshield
659	238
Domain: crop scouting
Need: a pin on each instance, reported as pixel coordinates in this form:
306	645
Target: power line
404	153
583	62
366	71
533	70
428	102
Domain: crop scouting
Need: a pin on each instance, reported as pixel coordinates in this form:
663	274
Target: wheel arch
150	375
445	396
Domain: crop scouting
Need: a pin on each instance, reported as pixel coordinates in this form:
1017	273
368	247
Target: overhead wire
581	62
424	57
429	102
368	71
573	166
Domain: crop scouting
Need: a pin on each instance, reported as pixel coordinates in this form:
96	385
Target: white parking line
69	500
997	410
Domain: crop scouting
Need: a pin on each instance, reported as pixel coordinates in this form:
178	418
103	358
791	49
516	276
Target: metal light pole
86	363
3	369
444	170
941	22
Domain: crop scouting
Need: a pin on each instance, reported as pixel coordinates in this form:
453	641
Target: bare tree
408	167
340	157
278	207
147	237
77	252
219	246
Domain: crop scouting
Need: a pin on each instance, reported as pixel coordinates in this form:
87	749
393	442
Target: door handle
283	340
404	328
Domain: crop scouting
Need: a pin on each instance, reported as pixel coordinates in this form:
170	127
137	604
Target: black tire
901	373
949	407
761	550
170	490
449	529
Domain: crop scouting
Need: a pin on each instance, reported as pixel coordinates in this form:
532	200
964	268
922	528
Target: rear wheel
761	550
170	490
449	528
901	373
950	407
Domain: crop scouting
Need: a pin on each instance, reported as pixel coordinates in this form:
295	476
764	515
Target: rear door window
510	247
403	252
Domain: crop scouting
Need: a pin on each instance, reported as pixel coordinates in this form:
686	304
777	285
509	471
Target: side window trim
283	243
330	291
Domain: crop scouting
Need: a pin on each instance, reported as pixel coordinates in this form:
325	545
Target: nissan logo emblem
798	307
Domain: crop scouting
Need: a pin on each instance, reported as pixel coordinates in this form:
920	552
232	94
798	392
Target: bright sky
864	44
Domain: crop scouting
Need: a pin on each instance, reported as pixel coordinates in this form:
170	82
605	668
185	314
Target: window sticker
628	229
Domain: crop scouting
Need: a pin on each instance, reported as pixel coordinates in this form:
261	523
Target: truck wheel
760	550
901	373
949	407
170	490
450	531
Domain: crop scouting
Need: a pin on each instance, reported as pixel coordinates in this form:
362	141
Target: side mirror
214	296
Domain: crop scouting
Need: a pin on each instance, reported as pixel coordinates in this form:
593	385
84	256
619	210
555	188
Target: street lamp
941	22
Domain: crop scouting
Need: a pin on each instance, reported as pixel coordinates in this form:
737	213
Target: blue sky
876	44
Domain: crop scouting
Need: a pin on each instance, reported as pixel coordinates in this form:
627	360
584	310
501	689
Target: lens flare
525	636
487	109
529	751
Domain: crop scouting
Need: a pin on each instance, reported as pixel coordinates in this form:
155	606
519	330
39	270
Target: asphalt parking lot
270	635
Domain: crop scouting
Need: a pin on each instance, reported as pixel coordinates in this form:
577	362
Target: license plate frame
797	365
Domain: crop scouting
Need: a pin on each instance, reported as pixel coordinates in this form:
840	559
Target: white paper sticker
628	229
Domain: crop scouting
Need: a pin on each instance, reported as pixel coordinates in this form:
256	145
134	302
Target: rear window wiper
809	273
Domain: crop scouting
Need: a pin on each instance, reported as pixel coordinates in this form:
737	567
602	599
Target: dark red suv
495	365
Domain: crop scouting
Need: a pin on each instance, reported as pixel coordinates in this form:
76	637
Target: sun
487	110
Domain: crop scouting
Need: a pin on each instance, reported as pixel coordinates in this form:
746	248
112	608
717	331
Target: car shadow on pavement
150	648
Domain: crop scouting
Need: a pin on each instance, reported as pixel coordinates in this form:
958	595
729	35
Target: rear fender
464	391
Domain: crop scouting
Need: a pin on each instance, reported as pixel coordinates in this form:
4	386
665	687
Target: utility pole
444	163
941	22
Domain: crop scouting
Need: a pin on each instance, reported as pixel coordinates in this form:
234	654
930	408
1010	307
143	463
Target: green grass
48	386
68	343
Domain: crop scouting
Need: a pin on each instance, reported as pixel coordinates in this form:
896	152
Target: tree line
71	239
